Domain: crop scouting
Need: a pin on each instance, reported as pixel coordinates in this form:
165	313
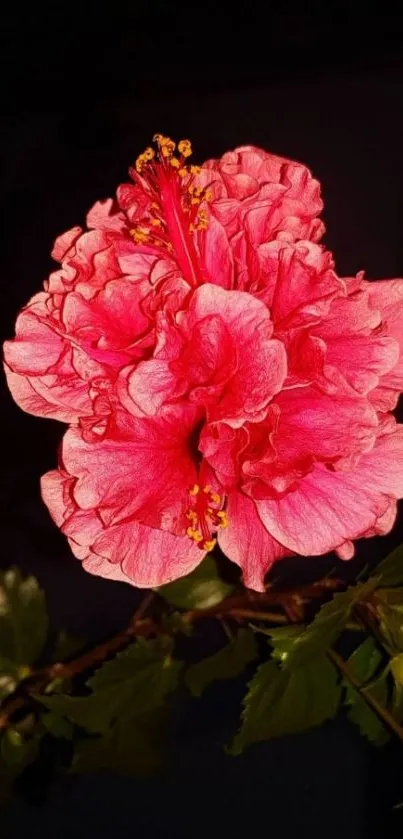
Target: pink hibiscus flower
143	254
211	443
224	383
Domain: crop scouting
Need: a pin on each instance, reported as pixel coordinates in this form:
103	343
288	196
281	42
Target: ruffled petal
247	542
330	507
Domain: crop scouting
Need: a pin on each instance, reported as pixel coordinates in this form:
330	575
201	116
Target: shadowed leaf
283	701
23	619
364	663
201	589
390	571
294	646
139	678
226	664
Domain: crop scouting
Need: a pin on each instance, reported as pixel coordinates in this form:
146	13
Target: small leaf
176	622
397	702
58	726
226	664
365	660
287	701
294	647
389	604
16	752
140	678
390	571
132	747
396	666
392	598
364	664
201	589
23	618
67	646
8	677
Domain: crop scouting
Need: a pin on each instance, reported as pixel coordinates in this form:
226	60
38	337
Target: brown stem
270	617
237	607
382	713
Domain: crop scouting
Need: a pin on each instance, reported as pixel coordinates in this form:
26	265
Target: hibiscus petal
330	507
64	242
145	470
387	295
247	542
51	400
362	354
306	285
148	557
262	362
145	388
130	552
216	255
325	426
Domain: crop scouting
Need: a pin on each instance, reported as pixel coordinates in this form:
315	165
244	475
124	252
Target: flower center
205	516
173	212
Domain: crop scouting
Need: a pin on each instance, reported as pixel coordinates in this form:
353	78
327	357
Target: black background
83	91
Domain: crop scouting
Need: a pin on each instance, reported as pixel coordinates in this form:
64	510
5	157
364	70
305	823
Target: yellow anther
195	170
195	490
185	148
223	516
139	235
148	153
140	162
183	172
195	201
194	534
191	515
207	489
158	138
166	151
208	196
216	499
156	222
155	206
209	544
175	162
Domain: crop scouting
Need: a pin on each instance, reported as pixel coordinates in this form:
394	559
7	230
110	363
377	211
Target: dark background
83	91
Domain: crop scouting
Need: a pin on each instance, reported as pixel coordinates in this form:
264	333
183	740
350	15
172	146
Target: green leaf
390	571
23	619
67	646
294	647
282	701
396	666
397	702
139	678
389	603
175	622
132	747
58	726
16	752
9	678
226	664
201	589
364	663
